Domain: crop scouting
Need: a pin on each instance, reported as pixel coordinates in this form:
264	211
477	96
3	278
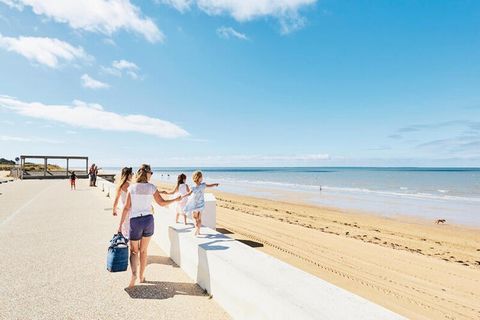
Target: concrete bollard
209	217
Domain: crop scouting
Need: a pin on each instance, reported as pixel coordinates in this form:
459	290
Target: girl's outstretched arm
211	185
162	202
126	208
169	192
115	203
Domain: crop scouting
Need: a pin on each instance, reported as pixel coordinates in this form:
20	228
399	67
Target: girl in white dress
181	189
121	197
196	203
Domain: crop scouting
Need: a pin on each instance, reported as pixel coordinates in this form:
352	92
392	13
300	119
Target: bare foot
132	282
143	280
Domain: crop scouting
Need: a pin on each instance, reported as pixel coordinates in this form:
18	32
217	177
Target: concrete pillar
22	167
209	217
45	169
67	167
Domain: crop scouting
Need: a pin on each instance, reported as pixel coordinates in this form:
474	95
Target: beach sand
4	174
416	268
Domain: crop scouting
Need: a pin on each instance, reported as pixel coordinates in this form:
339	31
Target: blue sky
242	83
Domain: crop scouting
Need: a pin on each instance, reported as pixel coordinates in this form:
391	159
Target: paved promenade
52	261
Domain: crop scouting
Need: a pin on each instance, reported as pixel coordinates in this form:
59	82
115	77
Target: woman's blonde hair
141	176
196	176
125	175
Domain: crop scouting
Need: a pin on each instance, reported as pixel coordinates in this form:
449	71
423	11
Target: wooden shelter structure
50	174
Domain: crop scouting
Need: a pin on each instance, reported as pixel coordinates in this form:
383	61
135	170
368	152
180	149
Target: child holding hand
196	204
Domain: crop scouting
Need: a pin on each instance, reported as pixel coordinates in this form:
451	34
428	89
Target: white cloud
286	11
89	82
109	41
228	32
101	16
23	139
124	65
119	66
256	159
180	5
46	51
93	116
11	138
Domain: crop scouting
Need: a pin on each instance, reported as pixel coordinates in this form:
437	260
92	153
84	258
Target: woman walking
121	198
139	202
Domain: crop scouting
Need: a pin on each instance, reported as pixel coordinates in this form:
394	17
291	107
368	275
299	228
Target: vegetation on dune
6	165
4	161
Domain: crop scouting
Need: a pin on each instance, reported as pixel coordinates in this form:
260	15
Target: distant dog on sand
438	221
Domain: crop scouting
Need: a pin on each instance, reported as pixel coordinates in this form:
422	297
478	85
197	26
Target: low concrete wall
249	284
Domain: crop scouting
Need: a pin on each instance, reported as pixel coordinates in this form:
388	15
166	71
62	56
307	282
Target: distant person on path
92	175
182	189
93	172
121	197
196	204
73	178
139	204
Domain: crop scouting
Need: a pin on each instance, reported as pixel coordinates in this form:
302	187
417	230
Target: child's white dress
182	190
126	223
196	201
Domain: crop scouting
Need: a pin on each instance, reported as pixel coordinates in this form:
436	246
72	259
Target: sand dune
416	268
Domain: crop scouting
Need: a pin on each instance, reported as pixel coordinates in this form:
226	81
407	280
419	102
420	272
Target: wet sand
416	268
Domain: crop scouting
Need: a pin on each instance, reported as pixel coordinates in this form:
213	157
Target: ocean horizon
451	193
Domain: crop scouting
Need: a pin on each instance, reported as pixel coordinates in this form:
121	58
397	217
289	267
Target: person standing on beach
196	205
181	189
138	207
95	171
121	196
73	178
91	174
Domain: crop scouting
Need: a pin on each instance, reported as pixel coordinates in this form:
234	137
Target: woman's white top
123	198
141	197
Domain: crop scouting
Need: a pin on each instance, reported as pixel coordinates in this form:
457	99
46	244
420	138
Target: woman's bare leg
133	261
143	256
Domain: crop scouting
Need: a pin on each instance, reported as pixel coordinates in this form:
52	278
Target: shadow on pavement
164	290
250	243
161	260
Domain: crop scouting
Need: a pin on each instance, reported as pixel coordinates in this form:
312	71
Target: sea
452	194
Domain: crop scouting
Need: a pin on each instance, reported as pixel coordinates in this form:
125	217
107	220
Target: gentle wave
418	195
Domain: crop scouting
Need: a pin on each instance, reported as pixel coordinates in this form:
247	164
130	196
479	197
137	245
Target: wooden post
45	169
22	166
67	167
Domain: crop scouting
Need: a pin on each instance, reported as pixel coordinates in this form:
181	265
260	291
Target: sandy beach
4	174
416	268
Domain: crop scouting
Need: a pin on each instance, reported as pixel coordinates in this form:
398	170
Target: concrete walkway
52	261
